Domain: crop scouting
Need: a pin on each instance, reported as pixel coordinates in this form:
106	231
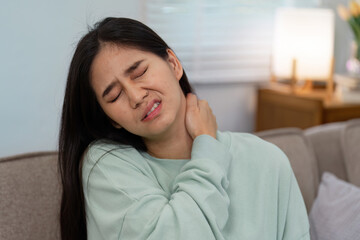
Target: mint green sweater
235	187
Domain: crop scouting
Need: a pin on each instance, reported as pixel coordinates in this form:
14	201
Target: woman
141	157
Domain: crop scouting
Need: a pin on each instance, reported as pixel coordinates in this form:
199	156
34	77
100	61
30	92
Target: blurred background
225	47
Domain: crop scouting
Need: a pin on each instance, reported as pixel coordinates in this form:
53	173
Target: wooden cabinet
278	108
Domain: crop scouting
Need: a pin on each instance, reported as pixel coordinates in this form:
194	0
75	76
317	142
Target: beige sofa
30	192
333	147
29	197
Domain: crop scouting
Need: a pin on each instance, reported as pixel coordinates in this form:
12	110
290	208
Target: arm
293	223
297	224
124	203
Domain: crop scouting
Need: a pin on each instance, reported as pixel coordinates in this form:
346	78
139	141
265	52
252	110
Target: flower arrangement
352	16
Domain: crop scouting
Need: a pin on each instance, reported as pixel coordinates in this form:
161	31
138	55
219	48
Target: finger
203	103
204	106
191	101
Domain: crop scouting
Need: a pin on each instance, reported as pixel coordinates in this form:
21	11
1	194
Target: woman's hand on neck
197	120
175	143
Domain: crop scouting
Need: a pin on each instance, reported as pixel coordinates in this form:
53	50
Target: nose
136	95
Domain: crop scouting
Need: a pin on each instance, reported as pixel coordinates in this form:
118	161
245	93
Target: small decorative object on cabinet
347	88
352	16
280	107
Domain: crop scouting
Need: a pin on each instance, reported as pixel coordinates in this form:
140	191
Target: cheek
171	86
117	113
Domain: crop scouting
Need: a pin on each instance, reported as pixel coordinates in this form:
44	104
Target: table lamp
303	47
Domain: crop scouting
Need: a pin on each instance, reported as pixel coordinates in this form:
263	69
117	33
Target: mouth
152	110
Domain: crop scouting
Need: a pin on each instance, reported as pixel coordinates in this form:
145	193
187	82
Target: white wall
37	39
36	44
234	104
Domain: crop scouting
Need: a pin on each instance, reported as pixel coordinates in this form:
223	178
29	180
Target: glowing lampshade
306	35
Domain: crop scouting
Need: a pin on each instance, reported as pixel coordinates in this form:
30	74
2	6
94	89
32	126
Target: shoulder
110	156
111	167
248	142
104	149
250	148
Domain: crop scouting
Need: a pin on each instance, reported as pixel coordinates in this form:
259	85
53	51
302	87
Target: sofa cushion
326	143
301	157
30	197
335	213
350	141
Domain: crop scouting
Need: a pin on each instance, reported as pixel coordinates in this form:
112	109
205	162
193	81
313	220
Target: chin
162	127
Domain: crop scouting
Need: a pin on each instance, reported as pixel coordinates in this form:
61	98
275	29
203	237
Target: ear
175	64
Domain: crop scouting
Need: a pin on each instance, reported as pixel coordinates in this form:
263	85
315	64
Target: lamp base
309	85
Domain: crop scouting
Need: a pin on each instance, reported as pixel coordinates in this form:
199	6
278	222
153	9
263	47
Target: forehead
111	55
112	61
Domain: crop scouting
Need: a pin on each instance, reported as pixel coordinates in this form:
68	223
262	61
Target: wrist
211	134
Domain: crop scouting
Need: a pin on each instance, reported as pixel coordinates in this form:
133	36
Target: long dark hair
83	121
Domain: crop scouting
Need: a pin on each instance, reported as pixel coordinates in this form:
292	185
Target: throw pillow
335	213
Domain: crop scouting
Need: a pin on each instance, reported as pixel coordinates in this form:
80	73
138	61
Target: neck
174	146
176	143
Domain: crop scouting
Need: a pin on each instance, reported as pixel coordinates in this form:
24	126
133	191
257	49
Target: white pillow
335	213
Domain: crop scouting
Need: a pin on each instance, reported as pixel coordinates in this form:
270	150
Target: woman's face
138	90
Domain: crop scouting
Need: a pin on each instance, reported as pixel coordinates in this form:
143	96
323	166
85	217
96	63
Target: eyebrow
128	71
108	89
133	67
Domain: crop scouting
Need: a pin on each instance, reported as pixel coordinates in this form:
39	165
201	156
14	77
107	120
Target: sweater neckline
148	156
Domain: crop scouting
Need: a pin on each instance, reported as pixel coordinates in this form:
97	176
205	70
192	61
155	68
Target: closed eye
142	73
116	97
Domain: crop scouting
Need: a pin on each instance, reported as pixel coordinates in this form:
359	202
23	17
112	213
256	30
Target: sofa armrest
30	196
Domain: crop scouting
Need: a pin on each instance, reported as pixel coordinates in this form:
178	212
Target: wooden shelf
279	107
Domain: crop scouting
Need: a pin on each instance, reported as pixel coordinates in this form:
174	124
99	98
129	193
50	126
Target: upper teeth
153	108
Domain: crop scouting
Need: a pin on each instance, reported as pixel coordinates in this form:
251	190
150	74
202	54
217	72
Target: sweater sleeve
297	224
292	216
123	201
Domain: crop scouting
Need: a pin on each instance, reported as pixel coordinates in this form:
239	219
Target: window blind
216	41
219	40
